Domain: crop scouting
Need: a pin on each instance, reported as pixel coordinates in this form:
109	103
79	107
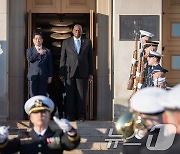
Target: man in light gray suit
76	68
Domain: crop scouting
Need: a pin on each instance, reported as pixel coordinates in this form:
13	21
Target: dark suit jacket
52	142
71	60
39	65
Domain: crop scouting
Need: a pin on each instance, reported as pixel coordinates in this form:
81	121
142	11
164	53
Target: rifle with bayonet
133	67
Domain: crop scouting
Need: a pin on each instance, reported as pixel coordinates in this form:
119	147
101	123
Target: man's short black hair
38	33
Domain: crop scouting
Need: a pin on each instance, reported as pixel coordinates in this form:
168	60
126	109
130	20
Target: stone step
24	124
95	137
93	152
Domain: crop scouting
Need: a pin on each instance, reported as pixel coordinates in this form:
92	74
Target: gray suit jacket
71	60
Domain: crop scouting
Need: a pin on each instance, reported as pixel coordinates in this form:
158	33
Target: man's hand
49	80
3	133
90	78
62	78
42	52
63	124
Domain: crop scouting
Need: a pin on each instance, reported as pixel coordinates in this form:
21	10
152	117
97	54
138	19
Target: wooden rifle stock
140	73
133	69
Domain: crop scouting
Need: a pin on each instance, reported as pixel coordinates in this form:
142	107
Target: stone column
17	22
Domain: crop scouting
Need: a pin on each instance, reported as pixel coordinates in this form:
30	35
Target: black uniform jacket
52	142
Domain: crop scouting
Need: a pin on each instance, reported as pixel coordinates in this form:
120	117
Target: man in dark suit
76	68
40	70
41	139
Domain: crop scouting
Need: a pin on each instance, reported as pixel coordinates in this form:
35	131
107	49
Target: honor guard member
144	104
41	139
171	115
145	36
153	59
159	79
149	46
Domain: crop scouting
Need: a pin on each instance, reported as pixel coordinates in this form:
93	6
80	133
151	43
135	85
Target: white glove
3	133
139	85
134	61
63	124
137	74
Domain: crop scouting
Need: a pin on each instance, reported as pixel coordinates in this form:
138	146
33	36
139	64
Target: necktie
78	45
40	137
38	49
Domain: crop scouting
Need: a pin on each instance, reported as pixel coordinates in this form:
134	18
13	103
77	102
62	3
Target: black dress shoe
82	119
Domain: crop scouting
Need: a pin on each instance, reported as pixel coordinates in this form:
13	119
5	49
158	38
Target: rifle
133	68
139	74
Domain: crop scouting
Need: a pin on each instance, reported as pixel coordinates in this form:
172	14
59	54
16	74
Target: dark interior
42	23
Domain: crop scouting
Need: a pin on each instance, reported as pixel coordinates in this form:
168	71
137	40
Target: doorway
55	28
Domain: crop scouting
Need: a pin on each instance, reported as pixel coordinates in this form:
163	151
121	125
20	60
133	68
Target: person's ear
165	117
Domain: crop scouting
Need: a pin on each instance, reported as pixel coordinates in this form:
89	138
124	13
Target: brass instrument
130	125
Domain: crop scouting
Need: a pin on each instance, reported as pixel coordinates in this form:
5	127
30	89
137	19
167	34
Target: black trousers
76	90
38	87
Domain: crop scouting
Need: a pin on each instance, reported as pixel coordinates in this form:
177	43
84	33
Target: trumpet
131	125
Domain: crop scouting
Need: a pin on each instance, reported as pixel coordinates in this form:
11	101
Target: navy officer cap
38	103
146	33
146	100
154	54
158	68
150	43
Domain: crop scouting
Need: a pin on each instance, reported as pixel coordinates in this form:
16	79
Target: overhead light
57	44
61	30
59	36
61	23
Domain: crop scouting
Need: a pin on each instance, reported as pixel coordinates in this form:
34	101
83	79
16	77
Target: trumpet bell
130	125
140	128
124	125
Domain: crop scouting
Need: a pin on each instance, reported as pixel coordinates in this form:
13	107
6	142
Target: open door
90	96
54	34
29	44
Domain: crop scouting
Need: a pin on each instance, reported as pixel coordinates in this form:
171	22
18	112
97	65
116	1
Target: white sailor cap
154	54
145	33
172	100
38	103
146	100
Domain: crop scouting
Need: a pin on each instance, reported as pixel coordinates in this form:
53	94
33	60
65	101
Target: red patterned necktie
38	49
